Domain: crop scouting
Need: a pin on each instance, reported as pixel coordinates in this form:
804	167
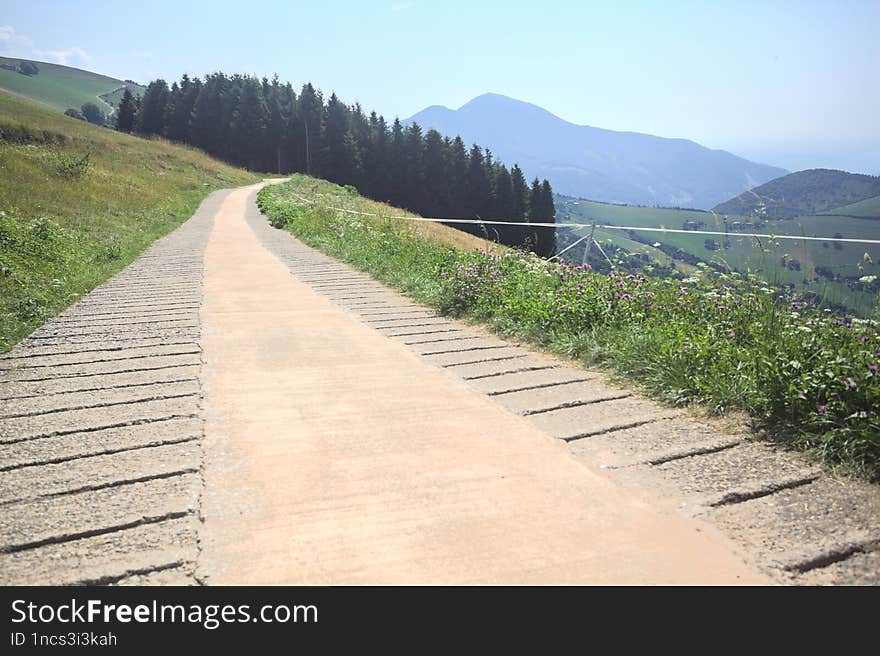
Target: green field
62	87
868	208
805	264
79	202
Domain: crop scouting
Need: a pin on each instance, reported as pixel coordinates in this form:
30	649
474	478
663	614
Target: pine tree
477	190
396	165
459	167
546	242
311	113
150	118
291	137
414	169
334	147
125	113
376	174
436	175
249	122
503	209
205	130
520	194
181	105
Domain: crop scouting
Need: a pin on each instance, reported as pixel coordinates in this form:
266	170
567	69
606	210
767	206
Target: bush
21	134
93	114
28	68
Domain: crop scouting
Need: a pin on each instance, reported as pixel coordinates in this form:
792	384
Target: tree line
264	125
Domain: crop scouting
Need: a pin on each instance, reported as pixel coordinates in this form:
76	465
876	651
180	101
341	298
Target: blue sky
794	84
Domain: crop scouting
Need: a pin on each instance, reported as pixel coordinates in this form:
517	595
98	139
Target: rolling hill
79	202
64	87
814	191
589	162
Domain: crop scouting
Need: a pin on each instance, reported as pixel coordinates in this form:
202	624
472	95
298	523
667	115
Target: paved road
208	417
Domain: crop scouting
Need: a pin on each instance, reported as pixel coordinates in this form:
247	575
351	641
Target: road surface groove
316	445
100	427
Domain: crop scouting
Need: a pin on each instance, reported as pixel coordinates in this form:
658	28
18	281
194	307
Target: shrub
28	68
71	167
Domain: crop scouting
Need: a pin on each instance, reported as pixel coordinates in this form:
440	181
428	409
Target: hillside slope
589	162
64	87
79	202
814	191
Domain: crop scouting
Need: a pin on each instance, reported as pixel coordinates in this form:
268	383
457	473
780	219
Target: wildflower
731	334
872	368
822	409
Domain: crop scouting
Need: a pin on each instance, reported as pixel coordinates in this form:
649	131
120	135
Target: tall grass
721	340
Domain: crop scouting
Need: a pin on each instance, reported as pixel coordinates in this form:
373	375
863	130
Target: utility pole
589	244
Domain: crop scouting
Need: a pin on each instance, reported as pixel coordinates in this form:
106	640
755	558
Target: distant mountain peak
589	162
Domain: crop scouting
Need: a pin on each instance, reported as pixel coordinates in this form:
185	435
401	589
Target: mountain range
590	162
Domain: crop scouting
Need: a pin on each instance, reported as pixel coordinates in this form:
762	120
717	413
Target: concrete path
100	428
335	455
208	417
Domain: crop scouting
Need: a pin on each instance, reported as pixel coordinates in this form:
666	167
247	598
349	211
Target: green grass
79	202
59	87
868	208
725	342
115	97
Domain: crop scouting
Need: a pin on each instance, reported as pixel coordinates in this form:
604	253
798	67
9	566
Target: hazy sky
795	84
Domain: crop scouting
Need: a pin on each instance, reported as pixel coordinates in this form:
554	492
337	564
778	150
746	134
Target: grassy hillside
726	341
867	209
79	202
806	192
63	87
828	271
